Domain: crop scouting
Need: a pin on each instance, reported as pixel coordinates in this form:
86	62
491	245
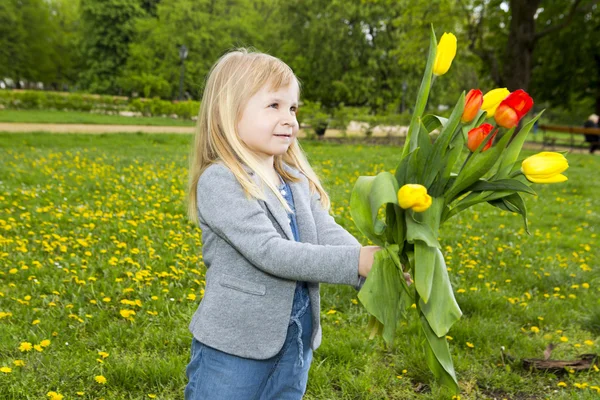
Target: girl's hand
366	259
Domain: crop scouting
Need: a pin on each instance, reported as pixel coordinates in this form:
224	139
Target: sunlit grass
100	274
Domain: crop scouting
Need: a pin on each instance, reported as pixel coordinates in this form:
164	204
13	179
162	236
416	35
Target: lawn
100	272
79	117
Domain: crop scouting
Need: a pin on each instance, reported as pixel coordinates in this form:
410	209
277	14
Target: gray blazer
253	263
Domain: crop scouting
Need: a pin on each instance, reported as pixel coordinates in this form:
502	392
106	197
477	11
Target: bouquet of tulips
430	186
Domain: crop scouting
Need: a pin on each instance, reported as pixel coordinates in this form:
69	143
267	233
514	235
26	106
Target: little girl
267	237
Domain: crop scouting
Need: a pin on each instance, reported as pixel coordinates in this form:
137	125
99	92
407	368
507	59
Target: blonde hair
230	83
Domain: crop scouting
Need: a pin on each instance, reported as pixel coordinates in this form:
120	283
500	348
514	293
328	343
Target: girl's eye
294	109
274	104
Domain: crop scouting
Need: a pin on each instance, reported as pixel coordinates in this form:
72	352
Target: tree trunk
521	41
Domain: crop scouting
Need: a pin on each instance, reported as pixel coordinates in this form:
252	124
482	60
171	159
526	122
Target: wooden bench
571	130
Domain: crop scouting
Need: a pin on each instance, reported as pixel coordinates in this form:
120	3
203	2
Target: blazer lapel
279	213
273	205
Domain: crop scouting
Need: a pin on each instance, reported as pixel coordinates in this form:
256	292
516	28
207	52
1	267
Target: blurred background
358	60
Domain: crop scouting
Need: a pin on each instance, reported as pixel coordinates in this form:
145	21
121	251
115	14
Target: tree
109	26
207	28
504	34
572	79
361	53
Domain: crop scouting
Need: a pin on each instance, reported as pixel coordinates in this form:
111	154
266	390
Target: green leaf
417	231
406	172
397	227
423	269
501	184
451	157
477	166
442	310
514	148
433	122
368	195
381	293
433	158
425	147
513	203
439	358
422	96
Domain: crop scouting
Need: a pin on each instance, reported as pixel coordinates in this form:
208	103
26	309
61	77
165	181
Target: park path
14	127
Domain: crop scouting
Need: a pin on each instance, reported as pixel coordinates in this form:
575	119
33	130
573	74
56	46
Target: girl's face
268	116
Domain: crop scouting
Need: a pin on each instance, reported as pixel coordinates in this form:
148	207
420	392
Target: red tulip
477	135
473	103
513	108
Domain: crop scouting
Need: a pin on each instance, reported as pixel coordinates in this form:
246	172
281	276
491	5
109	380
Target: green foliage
108	29
37	100
96	187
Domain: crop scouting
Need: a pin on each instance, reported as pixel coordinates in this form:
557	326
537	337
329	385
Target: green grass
87	221
78	117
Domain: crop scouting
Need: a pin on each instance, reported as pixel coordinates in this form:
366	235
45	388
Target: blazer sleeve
331	233
243	224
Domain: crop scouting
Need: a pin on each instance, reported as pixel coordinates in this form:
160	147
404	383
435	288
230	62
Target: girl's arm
329	232
244	225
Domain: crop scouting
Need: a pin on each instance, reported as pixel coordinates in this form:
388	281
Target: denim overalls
213	374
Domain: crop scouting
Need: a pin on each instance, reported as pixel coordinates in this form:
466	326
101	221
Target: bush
63	101
314	115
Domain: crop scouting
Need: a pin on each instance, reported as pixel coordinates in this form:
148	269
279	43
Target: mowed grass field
100	273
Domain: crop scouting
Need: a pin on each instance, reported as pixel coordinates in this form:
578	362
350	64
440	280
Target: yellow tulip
446	50
545	167
492	99
414	196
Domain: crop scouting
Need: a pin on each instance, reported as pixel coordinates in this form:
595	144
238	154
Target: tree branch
566	21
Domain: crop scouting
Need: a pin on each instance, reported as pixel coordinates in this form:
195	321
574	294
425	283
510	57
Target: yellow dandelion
25	346
561	384
35	322
471	345
127	313
589	342
54	396
535	329
103	354
6	370
100	379
564	339
45	343
19	363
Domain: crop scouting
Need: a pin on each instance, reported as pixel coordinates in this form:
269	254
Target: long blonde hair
230	83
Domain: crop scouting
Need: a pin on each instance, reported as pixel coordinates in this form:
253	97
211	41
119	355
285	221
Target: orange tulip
473	103
477	135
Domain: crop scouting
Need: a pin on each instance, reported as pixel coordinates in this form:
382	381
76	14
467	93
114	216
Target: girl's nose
290	121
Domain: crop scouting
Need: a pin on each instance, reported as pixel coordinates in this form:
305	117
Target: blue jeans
215	375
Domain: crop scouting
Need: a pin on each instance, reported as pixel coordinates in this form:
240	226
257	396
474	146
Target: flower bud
545	167
513	108
473	103
492	99
478	134
414	196
446	50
